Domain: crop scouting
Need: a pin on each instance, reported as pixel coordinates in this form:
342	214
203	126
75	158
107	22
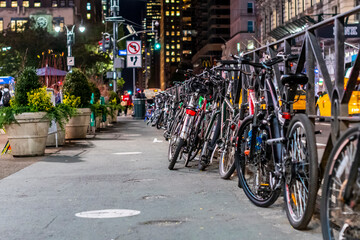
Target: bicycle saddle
292	79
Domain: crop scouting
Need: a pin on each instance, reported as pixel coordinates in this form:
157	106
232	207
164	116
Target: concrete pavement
125	167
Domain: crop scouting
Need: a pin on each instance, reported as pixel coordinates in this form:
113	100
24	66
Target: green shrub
27	81
114	95
77	84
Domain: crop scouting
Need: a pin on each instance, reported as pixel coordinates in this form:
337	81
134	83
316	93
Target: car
323	104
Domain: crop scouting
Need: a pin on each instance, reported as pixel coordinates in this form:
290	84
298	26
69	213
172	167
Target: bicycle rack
311	54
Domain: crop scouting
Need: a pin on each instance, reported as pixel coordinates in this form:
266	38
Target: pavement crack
50	222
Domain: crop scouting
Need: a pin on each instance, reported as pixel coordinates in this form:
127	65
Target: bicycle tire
195	141
179	147
265	200
335	165
227	158
212	143
299	218
159	121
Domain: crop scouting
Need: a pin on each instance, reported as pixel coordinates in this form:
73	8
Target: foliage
27	82
39	100
99	109
71	101
114	95
77	84
95	90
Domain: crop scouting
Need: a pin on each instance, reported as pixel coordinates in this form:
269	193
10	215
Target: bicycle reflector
286	115
190	112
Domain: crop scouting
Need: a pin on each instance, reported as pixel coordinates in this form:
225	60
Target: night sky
132	10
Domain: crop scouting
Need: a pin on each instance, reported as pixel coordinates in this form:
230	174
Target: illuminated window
17	24
167	59
178	46
167	33
178	59
178	13
37	4
14	4
54	4
172	13
167	46
172	1
178	33
26	4
172	53
173	59
88	15
172	33
172	46
88	6
1	25
167	13
71	3
3	4
167	1
167	53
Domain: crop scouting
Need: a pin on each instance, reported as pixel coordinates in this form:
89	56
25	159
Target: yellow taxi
323	104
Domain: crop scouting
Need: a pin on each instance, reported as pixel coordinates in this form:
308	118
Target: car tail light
190	112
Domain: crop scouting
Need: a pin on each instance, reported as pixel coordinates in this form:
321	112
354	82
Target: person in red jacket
126	101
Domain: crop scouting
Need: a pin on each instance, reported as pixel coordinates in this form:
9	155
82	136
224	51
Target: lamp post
70	39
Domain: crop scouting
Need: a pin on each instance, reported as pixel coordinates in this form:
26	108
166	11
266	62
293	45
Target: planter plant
78	94
27	120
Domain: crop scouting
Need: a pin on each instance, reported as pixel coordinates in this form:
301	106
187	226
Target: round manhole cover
108	213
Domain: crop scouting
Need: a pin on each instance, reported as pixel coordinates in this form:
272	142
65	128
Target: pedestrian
142	95
57	94
1	93
126	101
138	93
6	96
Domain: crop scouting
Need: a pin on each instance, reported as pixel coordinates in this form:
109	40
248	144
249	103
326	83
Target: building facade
211	22
242	27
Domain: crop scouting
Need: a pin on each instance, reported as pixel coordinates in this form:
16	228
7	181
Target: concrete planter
77	126
51	139
114	117
28	138
97	122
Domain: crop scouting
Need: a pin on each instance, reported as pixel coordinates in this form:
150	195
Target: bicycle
340	201
276	148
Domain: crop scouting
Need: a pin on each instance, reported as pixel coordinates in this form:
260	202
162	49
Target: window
62	3
178	13
37	4
1	25
167	53
167	13
17	25
88	16
71	3
172	33
172	46
250	7
167	33
167	1
178	33
172	13
2	4
88	6
58	21
14	4
173	59
54	4
178	46
167	59
250	26
178	59
167	46
26	4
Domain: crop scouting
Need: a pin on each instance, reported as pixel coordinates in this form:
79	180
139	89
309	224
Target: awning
6	80
50	71
295	26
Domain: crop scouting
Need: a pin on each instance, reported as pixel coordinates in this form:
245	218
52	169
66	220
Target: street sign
122	52
71	61
134	61
133	47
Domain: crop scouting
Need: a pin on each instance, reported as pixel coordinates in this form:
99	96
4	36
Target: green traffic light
157	46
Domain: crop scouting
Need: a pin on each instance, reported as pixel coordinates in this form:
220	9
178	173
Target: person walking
126	101
57	94
6	96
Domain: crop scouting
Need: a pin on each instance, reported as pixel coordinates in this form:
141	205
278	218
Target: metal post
134	87
70	37
114	10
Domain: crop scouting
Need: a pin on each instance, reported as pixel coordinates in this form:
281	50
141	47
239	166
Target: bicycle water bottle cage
293	79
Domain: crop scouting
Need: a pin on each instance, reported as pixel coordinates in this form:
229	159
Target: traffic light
157	46
105	43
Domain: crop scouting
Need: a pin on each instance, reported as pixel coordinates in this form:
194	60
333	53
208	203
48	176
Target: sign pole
134	87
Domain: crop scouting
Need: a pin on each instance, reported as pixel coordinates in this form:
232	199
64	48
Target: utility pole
115	18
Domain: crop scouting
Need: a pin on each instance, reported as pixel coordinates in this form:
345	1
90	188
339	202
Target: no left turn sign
133	47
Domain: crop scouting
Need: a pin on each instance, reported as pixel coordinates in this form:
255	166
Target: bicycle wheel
227	157
255	175
178	149
214	135
339	220
301	172
159	121
174	136
195	141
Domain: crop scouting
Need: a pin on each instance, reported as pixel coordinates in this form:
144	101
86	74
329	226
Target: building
242	27
280	18
211	22
48	13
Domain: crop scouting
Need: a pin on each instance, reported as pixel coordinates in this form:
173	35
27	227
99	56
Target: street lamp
70	40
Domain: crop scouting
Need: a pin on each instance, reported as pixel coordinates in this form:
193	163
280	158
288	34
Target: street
125	167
